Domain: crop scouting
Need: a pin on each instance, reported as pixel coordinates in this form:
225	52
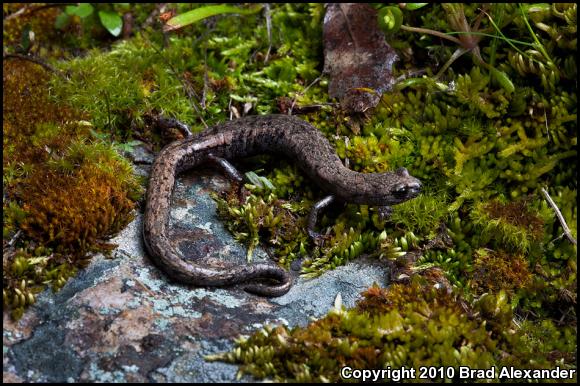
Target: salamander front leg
384	212
313	217
229	169
231	172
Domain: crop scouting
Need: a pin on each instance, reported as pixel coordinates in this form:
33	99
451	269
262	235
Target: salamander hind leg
313	217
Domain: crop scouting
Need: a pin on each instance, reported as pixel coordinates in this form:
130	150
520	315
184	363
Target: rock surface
123	320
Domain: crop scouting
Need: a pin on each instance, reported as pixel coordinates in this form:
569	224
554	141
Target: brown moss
65	193
408	325
75	210
378	300
39	20
518	214
494	271
25	104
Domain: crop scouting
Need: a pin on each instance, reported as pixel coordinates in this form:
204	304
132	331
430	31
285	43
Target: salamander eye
407	189
400	189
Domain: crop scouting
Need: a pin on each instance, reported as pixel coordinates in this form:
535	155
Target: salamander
275	134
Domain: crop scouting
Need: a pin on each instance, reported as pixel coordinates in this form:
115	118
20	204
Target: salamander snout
407	189
414	187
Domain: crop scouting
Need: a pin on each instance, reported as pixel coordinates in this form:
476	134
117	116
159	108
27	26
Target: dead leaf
356	56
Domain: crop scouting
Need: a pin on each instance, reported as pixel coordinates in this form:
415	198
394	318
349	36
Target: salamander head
405	187
391	188
379	189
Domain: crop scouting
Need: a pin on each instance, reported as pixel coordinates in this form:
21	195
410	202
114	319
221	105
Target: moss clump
511	224
199	80
65	193
82	196
496	271
482	153
404	325
39	21
270	217
421	215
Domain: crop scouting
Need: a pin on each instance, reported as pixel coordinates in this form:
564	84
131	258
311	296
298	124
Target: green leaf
503	80
25	38
414	6
390	19
82	10
112	21
259	181
201	13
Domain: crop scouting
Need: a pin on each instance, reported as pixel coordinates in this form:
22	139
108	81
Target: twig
32	9
559	215
14	238
269	29
230	108
432	32
205	78
35	60
302	93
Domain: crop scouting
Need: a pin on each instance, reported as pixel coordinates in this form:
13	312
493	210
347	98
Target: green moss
481	151
270	217
193	79
512	224
421	215
405	325
64	193
40	22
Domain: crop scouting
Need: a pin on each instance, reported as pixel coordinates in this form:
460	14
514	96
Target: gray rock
123	320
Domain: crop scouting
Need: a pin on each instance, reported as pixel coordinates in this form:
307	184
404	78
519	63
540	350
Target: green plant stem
508	41
432	32
540	46
456	55
491	36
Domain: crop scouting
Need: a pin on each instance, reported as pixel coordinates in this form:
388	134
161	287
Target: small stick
269	29
32	9
205	79
14	238
302	93
33	59
559	215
